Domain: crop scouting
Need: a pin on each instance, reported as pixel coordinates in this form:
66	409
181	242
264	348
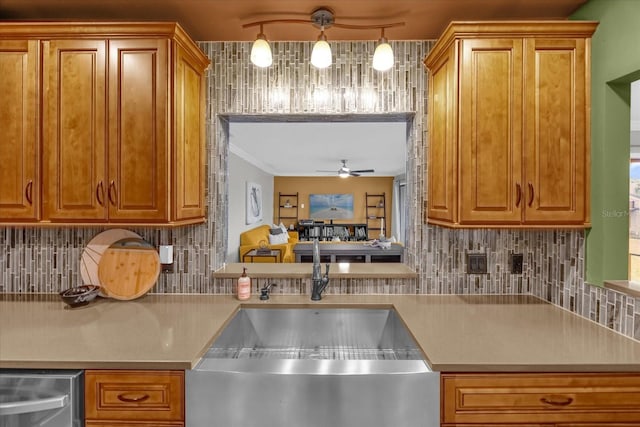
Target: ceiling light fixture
383	55
321	52
261	51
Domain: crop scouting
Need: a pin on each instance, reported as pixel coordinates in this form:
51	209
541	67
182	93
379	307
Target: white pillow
278	239
283	228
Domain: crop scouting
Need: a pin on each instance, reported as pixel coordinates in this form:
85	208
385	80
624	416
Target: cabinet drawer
499	425
540	398
134	395
136	424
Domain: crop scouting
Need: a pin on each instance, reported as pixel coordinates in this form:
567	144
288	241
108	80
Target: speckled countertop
456	332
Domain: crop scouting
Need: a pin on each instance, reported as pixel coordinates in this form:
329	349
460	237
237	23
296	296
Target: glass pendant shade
321	53
383	56
261	52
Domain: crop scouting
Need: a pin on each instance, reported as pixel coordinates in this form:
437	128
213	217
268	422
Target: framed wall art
254	203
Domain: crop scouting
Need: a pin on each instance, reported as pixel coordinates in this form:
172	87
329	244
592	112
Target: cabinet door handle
133	398
100	193
557	400
518	194
112	186
28	192
531	194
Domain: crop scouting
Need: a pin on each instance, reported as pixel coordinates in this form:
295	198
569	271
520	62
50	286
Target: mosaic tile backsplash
47	260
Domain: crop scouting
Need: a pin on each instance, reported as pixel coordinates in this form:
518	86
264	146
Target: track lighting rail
335	24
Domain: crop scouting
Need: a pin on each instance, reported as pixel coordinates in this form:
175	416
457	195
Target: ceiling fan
344	171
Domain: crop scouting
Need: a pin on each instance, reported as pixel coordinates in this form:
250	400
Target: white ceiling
301	149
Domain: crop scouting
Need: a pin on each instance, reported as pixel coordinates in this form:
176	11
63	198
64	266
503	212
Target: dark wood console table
349	252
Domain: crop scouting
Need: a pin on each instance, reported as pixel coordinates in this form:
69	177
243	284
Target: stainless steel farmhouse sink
329	367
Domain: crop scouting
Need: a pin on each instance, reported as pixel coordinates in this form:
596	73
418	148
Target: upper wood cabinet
188	151
123	137
138	106
508	119
74	134
19	171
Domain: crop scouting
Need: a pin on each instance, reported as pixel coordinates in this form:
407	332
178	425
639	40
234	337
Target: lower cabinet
540	399
126	424
134	398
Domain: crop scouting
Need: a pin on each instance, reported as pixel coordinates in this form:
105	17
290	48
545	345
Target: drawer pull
136	398
557	400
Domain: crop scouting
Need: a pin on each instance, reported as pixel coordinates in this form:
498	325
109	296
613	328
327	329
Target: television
331	206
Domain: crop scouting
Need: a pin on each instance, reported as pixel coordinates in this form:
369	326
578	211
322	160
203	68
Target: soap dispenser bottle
244	286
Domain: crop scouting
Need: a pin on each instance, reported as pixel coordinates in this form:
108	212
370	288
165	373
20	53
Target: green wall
615	62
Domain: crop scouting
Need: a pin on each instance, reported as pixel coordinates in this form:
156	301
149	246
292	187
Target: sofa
251	239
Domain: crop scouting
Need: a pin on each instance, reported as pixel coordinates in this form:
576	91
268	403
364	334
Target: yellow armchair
251	239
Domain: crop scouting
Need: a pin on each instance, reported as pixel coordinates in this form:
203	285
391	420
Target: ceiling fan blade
364	171
353	173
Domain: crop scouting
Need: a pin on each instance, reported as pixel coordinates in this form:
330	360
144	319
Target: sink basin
313	367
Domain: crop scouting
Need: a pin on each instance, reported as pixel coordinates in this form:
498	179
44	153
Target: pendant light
321	56
261	51
321	53
383	55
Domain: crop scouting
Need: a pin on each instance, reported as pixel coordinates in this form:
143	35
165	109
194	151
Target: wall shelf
376	205
288	209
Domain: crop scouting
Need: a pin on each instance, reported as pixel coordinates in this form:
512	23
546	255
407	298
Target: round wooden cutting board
128	269
93	253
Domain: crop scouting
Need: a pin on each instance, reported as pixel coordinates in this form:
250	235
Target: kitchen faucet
319	282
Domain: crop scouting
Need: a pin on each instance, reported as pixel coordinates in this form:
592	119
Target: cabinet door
138	136
442	154
74	130
556	134
491	131
19	125
189	140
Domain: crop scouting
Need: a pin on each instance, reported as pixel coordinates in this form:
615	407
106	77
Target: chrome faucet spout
319	282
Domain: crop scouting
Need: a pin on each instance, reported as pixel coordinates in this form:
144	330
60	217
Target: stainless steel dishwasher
42	398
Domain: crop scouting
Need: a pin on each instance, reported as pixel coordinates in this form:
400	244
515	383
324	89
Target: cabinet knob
518	194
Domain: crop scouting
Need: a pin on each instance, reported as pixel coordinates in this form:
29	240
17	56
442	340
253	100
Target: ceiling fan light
261	52
343	174
321	53
383	56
